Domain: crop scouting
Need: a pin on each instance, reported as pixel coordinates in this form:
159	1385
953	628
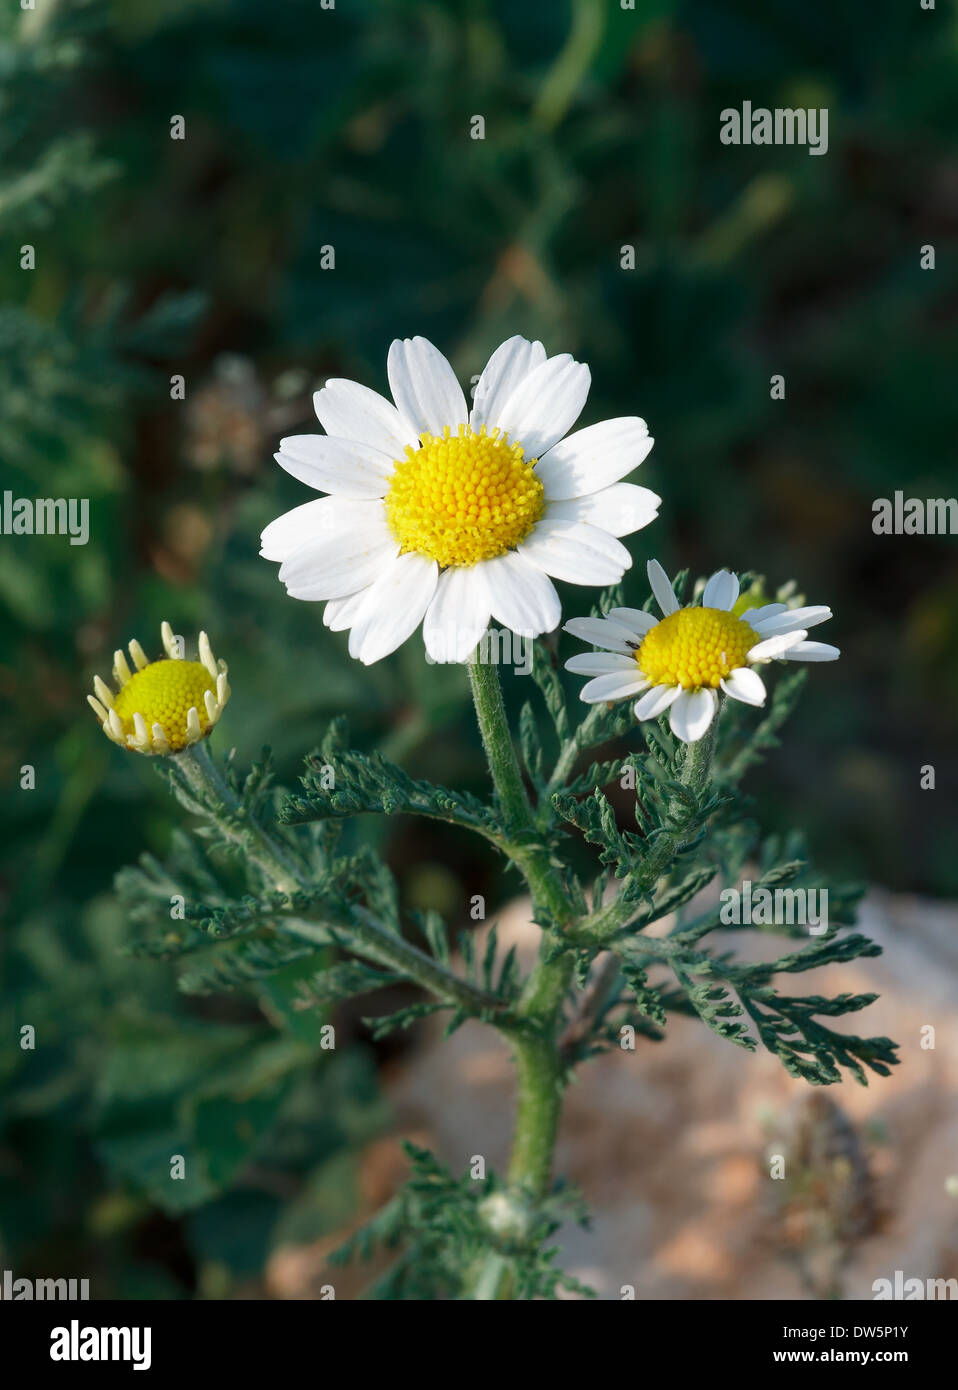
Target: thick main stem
538	1111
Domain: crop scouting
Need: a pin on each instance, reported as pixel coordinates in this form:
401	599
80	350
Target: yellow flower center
164	692
463	498
695	647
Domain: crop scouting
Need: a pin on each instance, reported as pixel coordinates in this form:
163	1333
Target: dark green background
350	127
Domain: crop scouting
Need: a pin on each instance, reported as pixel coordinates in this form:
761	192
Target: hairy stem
276	860
534	1038
497	741
525	847
538	1109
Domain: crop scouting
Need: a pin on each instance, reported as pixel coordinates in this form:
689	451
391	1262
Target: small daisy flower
450	517
680	661
163	706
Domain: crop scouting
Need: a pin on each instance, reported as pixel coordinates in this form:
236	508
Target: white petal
509	365
812	651
339	565
662	588
692	713
393	607
635	619
340	613
620	509
657	701
521	596
424	386
615	685
600	664
348	410
576	552
791	619
594	458
768	610
324	516
721	591
746	685
772	647
613	637
545	404
336	465
458	615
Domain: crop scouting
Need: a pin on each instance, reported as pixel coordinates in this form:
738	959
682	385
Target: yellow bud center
695	647
164	692
463	498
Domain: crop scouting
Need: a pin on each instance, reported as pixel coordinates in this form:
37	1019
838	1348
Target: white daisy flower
680	661
450	517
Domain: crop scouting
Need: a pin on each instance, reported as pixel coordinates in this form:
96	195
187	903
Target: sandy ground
673	1144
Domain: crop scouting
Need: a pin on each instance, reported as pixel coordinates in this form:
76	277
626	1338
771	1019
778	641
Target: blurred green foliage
350	127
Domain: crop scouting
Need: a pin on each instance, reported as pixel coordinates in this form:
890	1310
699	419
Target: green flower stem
538	1110
276	860
525	841
533	1038
497	741
697	766
280	865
